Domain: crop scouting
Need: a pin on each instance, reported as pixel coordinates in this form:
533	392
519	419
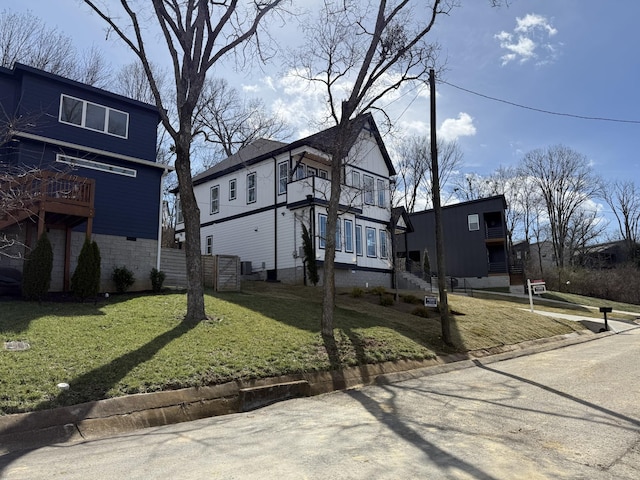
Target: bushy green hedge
85	281
157	278
36	274
123	278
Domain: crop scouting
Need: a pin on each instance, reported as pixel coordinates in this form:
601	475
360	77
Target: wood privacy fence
220	272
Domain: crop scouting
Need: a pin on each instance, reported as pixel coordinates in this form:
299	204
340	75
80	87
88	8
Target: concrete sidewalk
593	323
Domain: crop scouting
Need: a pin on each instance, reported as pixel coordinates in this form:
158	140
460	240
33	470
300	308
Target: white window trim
367	192
209	245
255	188
282	188
473	221
338	235
214	203
322	241
233	191
375	241
348	227
84	117
359	235
383	240
382	198
93	165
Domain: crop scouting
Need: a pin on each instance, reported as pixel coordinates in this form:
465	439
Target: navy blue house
475	240
85	162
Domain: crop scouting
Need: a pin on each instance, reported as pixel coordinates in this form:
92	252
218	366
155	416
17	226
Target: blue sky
578	57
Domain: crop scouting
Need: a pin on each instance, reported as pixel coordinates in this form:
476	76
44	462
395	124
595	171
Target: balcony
54	198
318	190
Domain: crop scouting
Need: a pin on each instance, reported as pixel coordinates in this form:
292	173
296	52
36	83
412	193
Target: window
283	177
383	244
312	172
96	117
338	235
371	242
359	240
381	193
103	167
215	199
474	223
323	174
179	217
232	189
355	179
368	189
348	236
209	245
322	230
251	188
300	171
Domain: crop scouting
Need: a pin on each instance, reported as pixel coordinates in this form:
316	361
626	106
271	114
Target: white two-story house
254	204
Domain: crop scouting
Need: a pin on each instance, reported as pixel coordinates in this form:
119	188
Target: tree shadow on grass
85	389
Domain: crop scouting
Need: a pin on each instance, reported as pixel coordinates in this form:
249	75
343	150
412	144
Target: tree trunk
191	215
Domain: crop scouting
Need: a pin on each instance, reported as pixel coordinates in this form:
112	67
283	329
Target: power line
540	110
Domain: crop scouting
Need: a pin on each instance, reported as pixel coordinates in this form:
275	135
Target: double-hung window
92	116
381	193
359	240
215	199
368	189
283	177
209	245
300	171
474	222
179	217
322	230
383	244
371	242
251	188
323	174
338	235
233	189
348	236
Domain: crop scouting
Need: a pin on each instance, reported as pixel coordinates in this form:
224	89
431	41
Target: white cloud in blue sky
530	40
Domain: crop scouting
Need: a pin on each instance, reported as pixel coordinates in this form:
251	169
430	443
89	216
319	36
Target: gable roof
263	149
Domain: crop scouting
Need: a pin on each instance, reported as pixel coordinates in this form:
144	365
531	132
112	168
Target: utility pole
437	209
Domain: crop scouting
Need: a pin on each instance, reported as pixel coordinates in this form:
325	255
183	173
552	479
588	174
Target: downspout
275	217
164	174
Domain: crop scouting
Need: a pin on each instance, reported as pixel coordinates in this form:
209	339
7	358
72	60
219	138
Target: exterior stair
412	282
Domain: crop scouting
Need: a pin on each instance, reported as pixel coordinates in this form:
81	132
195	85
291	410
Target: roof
494	198
263	149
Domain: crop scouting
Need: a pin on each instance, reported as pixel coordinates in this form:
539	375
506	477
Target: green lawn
138	343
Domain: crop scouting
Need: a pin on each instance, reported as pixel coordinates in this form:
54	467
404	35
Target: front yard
137	343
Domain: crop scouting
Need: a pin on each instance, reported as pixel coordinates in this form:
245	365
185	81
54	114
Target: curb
114	416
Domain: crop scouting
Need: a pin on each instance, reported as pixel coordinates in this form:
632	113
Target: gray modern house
475	240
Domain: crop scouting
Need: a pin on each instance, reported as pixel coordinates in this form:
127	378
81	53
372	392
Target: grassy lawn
138	343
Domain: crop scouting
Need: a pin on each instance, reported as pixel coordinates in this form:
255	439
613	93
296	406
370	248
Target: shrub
421	312
36	275
412	299
309	256
357	292
123	278
157	279
386	300
85	281
378	290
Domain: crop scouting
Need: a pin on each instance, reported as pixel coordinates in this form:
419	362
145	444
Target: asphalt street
569	413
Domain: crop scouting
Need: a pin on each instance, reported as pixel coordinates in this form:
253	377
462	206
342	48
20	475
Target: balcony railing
494	233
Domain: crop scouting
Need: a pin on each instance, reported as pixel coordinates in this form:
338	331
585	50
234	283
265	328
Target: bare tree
585	228
26	39
414	168
565	181
473	186
623	197
197	34
231	122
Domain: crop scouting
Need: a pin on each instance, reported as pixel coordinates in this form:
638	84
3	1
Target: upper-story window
215	199
323	174
300	172
179	216
368	189
355	179
251	188
381	193
474	222
232	189
312	172
283	177
96	117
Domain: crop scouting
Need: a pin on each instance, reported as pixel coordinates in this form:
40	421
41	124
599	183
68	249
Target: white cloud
454	128
250	88
529	40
